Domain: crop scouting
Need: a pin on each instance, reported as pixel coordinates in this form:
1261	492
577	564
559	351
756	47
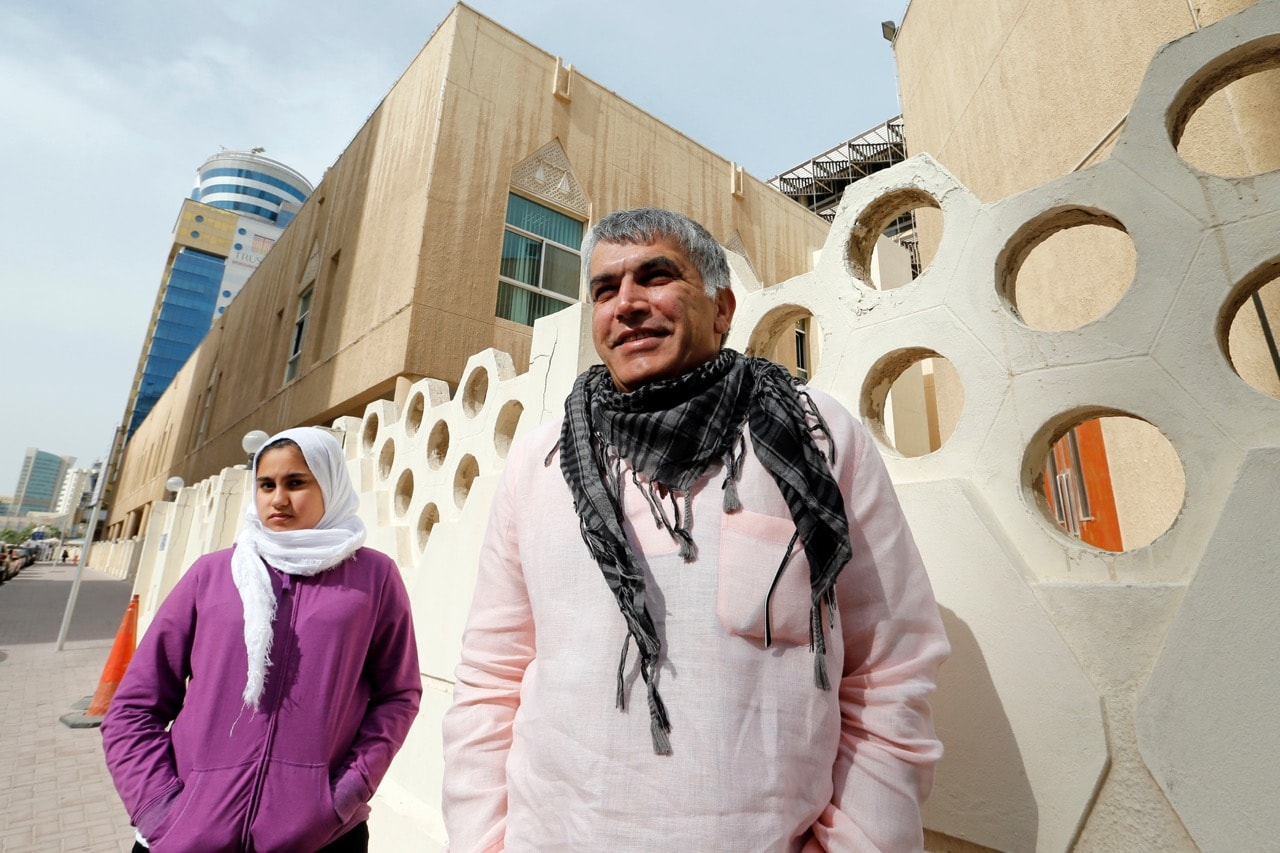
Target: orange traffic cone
117	661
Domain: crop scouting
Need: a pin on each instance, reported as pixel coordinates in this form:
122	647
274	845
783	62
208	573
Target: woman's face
288	496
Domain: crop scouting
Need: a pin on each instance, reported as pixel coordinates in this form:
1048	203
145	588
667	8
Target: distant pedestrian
64	556
280	748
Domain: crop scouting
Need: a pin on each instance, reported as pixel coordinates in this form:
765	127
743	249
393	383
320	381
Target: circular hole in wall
789	335
426	522
475	391
1249	330
896	216
468	470
404	492
413	414
1225	123
912	400
370	432
386	459
438	444
1107	479
505	429
1066	268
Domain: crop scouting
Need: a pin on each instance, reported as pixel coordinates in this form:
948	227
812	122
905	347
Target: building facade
40	481
450	224
245	182
240	205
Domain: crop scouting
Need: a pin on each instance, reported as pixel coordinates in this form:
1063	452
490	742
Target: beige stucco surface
1094	701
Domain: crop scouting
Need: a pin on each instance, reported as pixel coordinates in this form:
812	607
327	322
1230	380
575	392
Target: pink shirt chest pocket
752	548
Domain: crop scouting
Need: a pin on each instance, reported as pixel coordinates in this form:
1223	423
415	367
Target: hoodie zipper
280	671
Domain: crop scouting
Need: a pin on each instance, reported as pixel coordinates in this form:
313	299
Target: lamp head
253	441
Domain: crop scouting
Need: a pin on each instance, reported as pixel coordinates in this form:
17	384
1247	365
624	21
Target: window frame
538	289
298	341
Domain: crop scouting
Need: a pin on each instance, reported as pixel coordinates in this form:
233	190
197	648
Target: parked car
16	558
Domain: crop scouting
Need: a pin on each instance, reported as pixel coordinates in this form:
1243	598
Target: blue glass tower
185	314
39	482
239	206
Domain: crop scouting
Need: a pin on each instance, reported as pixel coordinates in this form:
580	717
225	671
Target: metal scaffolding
819	183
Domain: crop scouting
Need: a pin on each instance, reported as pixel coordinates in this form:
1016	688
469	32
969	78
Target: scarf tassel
732	503
659	724
733	472
688	550
818	644
620	701
811	410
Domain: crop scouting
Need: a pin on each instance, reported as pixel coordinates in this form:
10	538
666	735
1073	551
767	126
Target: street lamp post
252	443
98	491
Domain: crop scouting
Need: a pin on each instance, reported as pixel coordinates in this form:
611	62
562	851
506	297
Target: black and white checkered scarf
671	431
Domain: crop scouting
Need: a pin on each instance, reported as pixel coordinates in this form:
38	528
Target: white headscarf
295	552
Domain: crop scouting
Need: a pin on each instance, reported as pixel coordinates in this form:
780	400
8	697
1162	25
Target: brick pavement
55	794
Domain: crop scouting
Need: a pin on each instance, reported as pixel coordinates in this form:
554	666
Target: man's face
651	318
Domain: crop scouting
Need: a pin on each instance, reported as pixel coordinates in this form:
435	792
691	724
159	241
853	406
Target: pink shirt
539	758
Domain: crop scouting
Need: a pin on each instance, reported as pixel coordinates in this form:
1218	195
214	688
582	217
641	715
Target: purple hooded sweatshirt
341	692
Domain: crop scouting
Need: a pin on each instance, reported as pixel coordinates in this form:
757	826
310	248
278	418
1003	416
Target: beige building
451	221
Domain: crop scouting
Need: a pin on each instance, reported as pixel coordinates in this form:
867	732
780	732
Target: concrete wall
1095	700
1015	93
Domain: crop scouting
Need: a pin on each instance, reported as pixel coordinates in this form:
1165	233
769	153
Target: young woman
278	679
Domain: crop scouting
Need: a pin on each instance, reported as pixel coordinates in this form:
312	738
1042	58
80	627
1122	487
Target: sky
109	108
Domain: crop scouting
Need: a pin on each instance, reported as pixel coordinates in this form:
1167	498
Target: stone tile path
55	794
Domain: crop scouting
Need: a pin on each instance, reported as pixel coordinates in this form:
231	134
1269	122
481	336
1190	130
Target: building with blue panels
241	203
40	482
246	182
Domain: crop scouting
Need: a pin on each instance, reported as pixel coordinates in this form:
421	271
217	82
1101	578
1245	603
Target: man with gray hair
738	529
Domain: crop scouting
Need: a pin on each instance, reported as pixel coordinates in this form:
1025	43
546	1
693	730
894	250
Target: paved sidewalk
55	794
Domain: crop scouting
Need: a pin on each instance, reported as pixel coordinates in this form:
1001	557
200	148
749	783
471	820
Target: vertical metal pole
88	543
1266	331
75	584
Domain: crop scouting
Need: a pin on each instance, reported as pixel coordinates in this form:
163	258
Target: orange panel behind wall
1100	525
1103	530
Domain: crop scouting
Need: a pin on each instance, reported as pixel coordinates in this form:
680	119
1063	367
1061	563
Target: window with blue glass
238	189
186	312
540	261
245	207
260	177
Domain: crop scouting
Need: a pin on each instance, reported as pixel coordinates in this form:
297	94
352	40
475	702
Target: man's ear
726	303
